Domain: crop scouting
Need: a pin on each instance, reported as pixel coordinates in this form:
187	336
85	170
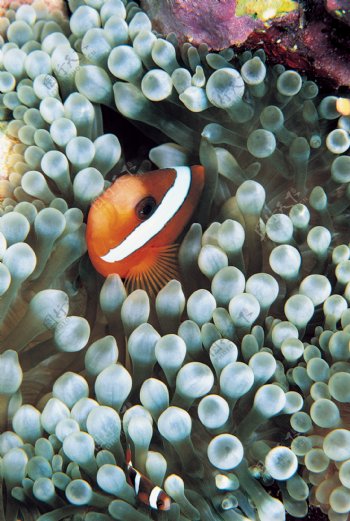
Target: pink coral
214	23
309	40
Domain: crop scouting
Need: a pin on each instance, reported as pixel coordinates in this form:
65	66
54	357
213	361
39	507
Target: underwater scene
174	260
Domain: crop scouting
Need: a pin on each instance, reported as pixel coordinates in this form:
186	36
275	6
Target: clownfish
146	491
132	227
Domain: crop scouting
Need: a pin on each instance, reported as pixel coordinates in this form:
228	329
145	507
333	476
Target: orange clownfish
147	492
132	226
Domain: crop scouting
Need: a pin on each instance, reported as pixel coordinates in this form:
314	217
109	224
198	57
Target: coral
234	378
309	36
233	22
339	9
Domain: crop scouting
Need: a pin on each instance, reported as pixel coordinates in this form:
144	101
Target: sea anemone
70	449
230	385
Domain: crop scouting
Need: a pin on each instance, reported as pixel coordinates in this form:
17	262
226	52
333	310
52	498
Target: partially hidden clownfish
146	491
132	227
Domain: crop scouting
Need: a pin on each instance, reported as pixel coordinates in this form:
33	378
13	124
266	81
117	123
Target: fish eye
145	208
159	503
